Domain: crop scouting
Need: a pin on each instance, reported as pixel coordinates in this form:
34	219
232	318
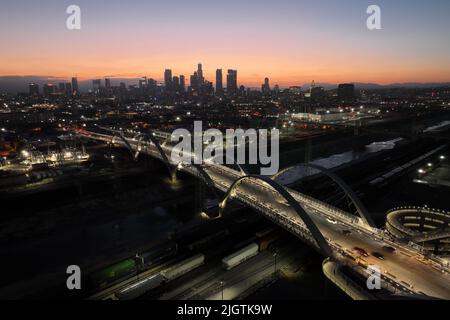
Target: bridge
405	268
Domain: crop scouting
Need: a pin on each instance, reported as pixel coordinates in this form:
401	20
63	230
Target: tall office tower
200	74
195	85
232	81
34	89
168	78
68	89
182	83
346	92
75	88
176	83
48	89
219	81
96	84
107	83
62	87
265	88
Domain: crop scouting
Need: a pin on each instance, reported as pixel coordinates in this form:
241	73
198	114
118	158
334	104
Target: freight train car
112	273
183	267
141	287
159	254
240	256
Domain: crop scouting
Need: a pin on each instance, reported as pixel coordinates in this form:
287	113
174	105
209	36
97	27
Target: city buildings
219	81
168	78
33	89
48	89
96	85
232	81
265	88
75	87
346	92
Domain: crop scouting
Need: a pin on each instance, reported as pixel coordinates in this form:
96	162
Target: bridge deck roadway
404	266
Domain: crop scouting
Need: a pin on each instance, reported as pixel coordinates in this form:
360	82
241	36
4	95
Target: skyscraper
176	83
168	78
265	88
108	83
34	89
200	74
182	83
75	86
219	81
194	81
48	89
232	81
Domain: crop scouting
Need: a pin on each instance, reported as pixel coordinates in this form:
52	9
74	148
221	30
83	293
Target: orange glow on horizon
292	43
253	66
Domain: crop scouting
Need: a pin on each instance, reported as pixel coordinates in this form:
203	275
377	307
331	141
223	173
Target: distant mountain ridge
18	84
362	85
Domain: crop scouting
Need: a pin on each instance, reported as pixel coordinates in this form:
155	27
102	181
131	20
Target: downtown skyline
280	41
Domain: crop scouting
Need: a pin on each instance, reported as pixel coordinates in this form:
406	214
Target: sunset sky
289	41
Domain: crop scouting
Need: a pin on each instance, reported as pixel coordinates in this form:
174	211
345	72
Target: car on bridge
378	255
360	251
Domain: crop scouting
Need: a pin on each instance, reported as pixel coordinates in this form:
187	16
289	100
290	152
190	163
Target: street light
222	284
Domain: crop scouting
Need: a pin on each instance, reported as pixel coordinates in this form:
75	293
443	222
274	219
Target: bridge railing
388	282
296	226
